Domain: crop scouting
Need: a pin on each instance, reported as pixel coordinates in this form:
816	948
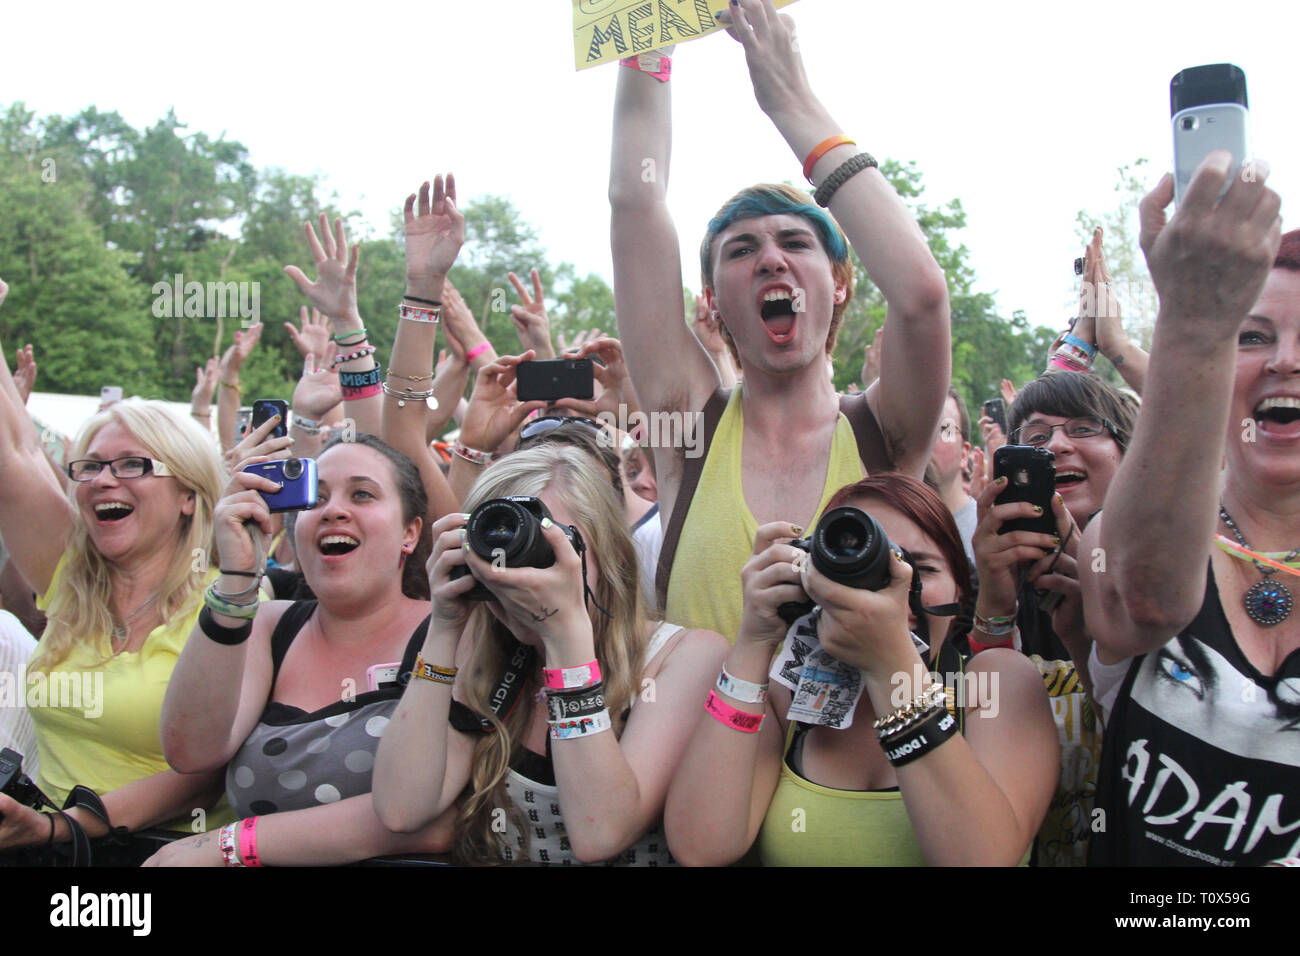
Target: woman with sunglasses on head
1029	594
916	777
291	698
556	705
119	562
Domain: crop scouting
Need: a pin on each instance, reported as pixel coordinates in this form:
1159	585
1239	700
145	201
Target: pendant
1268	602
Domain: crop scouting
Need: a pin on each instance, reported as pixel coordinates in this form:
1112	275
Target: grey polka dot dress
293	759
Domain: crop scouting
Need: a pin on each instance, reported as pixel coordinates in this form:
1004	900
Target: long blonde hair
620	638
80	608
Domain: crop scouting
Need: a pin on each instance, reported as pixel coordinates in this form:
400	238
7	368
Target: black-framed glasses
132	466
1040	433
546	423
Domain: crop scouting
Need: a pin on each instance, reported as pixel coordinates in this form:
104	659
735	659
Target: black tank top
1201	763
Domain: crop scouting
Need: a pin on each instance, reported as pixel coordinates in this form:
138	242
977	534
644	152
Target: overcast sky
1023	111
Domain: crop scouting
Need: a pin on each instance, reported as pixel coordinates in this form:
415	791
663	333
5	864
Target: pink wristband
248	841
567	678
651	64
731	716
477	350
365	391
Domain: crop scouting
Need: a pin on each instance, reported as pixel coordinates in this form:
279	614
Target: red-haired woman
901	784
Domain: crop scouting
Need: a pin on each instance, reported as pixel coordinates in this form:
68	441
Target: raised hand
318	391
205	383
530	318
707	327
458	321
237	354
435	231
25	373
615	386
871	356
314	337
1008	392
335	290
1210	261
771	52
580	340
494	409
259	446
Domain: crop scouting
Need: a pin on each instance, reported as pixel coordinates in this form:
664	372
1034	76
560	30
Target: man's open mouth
778	315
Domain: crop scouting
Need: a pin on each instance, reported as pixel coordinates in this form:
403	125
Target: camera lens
1189	122
510	528
293	469
850	547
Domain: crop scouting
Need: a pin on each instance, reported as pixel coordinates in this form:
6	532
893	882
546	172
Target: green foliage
95	214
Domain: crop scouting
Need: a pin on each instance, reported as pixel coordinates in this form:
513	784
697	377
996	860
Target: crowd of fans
359	678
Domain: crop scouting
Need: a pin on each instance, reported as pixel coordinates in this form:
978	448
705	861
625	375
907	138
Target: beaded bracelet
471	455
732	717
433	672
1000	625
569	678
359	353
937	729
742	690
359	335
580	726
842	174
415	314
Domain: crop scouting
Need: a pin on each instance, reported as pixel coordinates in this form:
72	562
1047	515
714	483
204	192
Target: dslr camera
508	531
17	785
849	547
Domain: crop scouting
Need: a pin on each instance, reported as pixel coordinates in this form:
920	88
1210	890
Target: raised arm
1209	264
434	234
668	365
35	516
909	396
335	294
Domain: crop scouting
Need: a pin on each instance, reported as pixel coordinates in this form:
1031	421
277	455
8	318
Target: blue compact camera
297	475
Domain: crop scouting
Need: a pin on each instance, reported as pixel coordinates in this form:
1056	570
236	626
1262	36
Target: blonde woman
119	563
549	794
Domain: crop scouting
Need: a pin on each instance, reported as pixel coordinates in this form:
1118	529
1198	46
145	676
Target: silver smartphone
1209	111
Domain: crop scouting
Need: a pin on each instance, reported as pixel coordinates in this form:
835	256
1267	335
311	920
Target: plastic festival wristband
248	841
742	690
567	678
735	719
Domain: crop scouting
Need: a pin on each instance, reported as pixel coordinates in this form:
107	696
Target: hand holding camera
532	565
770	580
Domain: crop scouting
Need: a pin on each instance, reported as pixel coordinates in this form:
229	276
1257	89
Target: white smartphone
1209	111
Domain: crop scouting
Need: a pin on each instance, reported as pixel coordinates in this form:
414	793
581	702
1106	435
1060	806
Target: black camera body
849	547
508	532
17	785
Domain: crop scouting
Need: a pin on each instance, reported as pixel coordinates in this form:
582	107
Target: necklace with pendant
1267	602
122	629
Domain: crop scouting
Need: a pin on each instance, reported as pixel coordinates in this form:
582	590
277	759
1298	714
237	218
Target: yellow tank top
97	721
811	825
718	534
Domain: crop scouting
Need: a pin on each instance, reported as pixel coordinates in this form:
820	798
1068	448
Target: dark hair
415	504
772	199
584	437
1288	253
1071	395
963	413
924	506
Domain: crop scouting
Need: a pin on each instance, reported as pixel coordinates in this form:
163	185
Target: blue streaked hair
775	199
772	200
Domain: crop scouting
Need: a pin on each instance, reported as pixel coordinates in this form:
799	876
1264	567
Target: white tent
57	416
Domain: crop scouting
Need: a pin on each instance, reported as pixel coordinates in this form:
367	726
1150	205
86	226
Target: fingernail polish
462	534
1038	509
797	529
1056	539
547	522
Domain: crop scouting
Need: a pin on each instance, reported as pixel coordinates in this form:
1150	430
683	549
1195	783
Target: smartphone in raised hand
1209	111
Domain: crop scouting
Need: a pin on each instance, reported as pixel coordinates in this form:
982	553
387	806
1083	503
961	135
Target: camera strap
505	696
